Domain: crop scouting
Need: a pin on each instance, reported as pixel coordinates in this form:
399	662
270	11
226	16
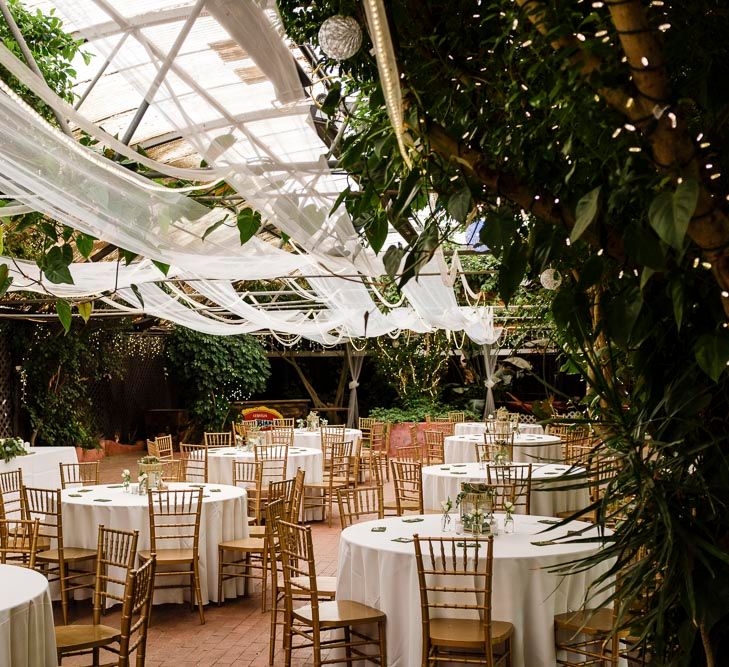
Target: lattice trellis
6	391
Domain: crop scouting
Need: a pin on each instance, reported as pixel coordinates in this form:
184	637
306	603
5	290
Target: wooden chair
116	551
249	476
447	428
273	460
463	568
153	449
174	520
378	444
79	474
18	541
164	447
131	635
457	417
330	435
326	586
11	494
297	497
434	447
413	432
511	483
365	424
379	465
308	622
218	439
248	560
408	481
193	466
359	503
172	470
495	446
336	476
62	562
409	453
285	422
280	435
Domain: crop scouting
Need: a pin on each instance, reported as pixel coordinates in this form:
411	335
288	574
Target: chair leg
264	580
221	566
348	645
287	639
64	591
381	629
274	619
198	592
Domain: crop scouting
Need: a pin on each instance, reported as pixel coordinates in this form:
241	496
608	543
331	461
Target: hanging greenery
209	372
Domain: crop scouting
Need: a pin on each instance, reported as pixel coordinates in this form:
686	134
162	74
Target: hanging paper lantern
340	37
550	279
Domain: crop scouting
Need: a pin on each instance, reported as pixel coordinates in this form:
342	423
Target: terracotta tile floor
234	634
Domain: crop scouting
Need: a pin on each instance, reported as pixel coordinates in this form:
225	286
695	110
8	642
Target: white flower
142	477
447	505
126	473
509	506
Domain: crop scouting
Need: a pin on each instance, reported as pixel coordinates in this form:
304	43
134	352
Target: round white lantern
340	37
550	279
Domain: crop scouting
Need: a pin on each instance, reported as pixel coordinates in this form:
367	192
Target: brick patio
234	634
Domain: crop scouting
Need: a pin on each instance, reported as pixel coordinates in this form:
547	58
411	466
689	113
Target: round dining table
479	428
378	570
305	438
548	496
308	459
528	448
27	635
224	517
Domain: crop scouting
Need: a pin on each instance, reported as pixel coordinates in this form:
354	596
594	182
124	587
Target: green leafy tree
591	138
212	371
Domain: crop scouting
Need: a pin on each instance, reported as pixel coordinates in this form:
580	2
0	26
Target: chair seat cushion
257	544
590	621
169	555
466	633
78	637
69	554
338	613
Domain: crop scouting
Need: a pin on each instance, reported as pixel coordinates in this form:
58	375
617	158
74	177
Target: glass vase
445	524
509	526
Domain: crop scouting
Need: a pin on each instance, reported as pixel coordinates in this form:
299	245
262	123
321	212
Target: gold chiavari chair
355	468
413	432
330	435
495	447
218	439
434	447
457	417
116	551
442	420
365	424
18	541
280	435
61	563
174	520
408	482
336	476
153	449
285	422
379	465
359	503
513	483
164	447
446	427
249	476
193	465
79	474
171	470
577	447
463	568
310	621
378	445
409	453
297	496
326	586
273	460
131	635
11	494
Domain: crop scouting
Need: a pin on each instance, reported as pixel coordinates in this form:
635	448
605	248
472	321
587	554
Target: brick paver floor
235	633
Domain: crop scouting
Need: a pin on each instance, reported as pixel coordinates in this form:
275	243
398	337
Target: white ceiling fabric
230	90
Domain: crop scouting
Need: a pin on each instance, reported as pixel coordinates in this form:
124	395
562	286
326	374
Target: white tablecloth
527	448
27	638
441	482
40	467
304	438
224	517
478	428
376	571
310	460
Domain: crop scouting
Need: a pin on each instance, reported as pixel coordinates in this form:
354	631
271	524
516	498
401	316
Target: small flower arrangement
300	423
126	476
11	447
508	508
509	519
149	460
502	415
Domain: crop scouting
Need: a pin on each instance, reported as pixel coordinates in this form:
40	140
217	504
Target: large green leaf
585	213
459	204
85	308
376	232
670	213
678	296
712	354
512	269
249	222
55	266
497	231
5	280
63	308
85	244
391	259
164	268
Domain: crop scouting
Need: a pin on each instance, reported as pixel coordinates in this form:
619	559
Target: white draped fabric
354	361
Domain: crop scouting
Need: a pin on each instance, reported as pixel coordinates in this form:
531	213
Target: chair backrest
164	446
413	431
365	424
409	453
339	460
136	612
330	435
273	460
116	551
408	484
379	461
18	541
171	470
79	474
239	428
297	497
511	483
45	505
249	475
359	503
174	518
283	488
434	447
153	449
285	422
444	427
280	435
456	573
495	446
194	463
275	511
218	439
442	420
11	494
457	417
378	437
298	565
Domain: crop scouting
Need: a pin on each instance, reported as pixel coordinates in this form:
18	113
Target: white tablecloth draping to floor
40	467
310	460
304	438
442	482
381	573
224	517
527	448
27	637
478	428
